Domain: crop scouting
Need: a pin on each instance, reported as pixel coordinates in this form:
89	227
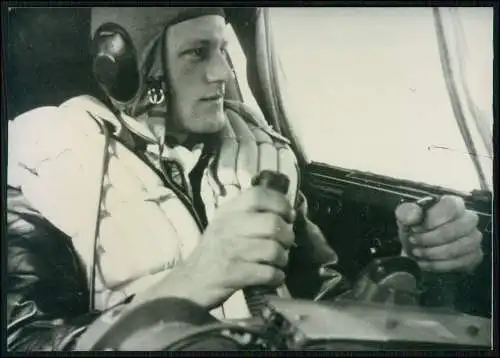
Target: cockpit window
367	90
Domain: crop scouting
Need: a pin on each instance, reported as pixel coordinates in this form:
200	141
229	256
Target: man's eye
198	53
204	52
223	49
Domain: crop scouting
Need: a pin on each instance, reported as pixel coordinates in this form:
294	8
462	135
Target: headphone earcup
115	63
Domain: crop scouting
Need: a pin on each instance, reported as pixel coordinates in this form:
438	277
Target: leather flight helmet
124	42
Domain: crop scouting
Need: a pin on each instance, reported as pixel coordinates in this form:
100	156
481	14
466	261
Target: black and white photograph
248	178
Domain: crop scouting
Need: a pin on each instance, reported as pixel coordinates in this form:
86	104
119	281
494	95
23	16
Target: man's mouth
213	98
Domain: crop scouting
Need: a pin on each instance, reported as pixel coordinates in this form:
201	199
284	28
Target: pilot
150	195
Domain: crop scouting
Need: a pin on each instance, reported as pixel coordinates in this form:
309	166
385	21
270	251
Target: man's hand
446	240
246	244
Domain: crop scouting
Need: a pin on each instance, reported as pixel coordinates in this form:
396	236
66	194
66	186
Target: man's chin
209	124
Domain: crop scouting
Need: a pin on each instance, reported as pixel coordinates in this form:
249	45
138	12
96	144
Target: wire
456	104
104	164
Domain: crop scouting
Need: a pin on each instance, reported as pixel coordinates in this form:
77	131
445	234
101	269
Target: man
151	198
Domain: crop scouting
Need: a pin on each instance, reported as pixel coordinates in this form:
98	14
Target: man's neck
174	135
163	133
166	133
176	138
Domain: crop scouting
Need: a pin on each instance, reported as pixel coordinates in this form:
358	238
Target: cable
104	163
456	104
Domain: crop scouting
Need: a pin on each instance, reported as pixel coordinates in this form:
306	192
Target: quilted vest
145	228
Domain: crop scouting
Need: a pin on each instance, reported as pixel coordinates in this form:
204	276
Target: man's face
198	72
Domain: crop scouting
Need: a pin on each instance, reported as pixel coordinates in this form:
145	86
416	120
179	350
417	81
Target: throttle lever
256	295
440	287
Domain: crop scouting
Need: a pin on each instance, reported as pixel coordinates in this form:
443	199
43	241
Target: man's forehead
204	28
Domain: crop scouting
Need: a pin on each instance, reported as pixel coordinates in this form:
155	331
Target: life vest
145	226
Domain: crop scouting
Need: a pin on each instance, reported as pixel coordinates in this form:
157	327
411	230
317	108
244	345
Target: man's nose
219	69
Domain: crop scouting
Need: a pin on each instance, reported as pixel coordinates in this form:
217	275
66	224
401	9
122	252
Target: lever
256	296
443	285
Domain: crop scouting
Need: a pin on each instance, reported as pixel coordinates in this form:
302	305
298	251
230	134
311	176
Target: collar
185	157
